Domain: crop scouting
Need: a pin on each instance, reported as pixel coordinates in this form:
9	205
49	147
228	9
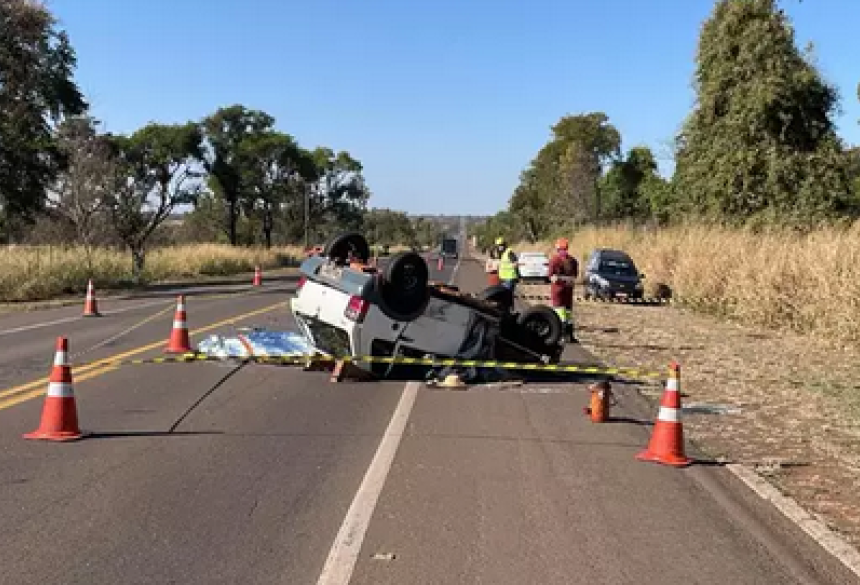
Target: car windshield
617	267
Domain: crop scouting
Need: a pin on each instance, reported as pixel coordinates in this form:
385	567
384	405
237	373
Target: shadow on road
629	420
126	434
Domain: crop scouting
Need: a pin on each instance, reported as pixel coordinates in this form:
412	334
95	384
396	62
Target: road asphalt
212	473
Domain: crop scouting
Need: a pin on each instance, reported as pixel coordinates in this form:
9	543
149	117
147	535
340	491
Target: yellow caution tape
642	301
437	362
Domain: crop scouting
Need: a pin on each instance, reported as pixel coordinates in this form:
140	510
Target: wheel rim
409	279
541	328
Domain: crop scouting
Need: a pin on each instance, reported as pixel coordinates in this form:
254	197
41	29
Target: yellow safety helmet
500	241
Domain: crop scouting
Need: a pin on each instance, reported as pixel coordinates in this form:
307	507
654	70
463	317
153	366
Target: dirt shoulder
786	404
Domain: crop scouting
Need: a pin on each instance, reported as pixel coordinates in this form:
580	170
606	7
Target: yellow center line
9	402
103	366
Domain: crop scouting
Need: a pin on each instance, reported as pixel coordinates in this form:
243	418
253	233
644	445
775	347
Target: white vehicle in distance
346	308
533	266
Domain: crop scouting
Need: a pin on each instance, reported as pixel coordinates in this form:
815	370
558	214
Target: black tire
403	288
498	293
340	247
542	322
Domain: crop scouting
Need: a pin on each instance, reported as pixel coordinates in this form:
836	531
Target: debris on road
257	342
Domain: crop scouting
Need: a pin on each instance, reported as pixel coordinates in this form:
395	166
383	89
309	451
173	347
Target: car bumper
533	275
619	291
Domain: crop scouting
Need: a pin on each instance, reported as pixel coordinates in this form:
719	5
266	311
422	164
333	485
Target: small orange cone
440	265
258	276
179	341
91	307
667	439
60	413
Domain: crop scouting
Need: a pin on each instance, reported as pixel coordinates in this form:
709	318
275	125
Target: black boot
571	338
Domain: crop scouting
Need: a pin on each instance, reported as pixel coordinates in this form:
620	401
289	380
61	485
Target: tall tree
226	130
36	91
159	168
590	142
82	190
271	164
622	186
340	194
760	142
560	184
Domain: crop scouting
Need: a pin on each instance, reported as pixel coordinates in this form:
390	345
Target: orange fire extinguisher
601	401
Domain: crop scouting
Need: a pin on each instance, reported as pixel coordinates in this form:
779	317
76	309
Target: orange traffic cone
59	414
91	307
440	265
667	439
258	276
179	341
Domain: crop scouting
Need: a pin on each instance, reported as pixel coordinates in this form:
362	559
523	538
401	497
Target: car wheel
542	322
500	294
404	285
340	247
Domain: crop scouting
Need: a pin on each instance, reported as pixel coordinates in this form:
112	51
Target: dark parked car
612	273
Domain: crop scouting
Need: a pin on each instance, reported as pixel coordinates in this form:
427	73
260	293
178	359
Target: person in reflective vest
492	266
563	270
509	274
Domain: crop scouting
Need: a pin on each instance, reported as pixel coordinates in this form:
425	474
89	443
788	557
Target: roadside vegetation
77	202
761	207
758	225
809	283
45	272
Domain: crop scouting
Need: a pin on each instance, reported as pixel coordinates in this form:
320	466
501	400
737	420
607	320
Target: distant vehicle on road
449	247
346	308
534	266
612	274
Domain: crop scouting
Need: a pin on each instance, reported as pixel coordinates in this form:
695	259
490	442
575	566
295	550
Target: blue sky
444	102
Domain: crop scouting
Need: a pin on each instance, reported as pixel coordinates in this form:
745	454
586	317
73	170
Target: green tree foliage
504	224
226	131
427	232
560	185
632	187
339	195
386	227
271	164
761	142
157	169
36	91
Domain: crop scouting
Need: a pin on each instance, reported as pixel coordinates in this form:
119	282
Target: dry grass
37	273
793	403
809	284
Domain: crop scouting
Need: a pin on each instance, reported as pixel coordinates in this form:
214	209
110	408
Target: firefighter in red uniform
563	270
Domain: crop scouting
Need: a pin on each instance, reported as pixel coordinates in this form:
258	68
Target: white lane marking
107	314
78	318
831	541
347	544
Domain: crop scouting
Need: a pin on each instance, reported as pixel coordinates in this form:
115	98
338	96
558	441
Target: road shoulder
775	404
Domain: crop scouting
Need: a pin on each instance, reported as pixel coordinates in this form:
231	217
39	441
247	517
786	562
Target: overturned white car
347	308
